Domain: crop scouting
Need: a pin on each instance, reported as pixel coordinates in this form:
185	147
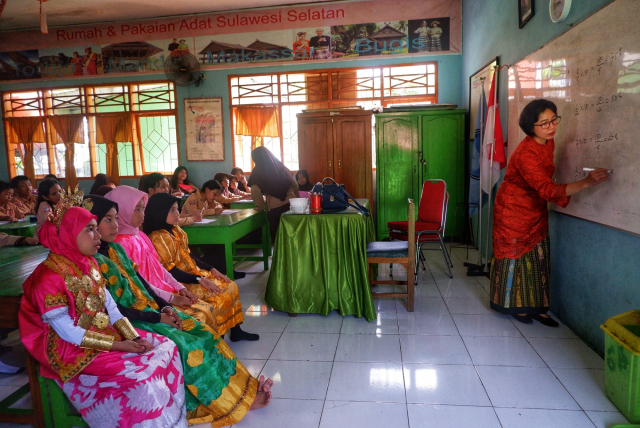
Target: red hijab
65	242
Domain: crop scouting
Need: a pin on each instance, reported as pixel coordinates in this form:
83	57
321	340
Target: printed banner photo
330	32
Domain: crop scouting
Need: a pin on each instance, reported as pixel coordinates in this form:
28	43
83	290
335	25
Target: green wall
595	269
215	85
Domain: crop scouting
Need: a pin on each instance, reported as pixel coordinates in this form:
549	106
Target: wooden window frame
88	110
385	101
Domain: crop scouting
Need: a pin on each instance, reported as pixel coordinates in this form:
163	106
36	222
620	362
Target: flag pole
493	150
482	126
478	269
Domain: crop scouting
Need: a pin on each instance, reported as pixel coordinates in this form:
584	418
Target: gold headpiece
68	199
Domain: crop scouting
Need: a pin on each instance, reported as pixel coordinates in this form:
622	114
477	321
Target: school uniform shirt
9	239
25	206
9	211
226	198
197	203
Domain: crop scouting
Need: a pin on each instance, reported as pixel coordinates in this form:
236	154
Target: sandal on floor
548	321
525	319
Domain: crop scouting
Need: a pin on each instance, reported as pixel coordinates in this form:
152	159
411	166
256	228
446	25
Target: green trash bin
622	363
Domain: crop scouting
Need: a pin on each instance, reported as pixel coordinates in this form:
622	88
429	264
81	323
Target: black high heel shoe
525	319
548	321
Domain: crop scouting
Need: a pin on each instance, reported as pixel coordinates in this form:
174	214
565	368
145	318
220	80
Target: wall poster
203	128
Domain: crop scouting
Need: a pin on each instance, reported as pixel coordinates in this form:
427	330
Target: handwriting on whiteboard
599	104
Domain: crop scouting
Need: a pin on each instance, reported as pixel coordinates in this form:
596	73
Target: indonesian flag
492	142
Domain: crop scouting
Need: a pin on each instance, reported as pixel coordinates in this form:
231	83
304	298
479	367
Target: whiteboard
592	74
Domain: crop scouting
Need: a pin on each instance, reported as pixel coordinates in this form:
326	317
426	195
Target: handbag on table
335	197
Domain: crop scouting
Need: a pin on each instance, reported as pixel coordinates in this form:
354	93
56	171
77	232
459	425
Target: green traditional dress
220	390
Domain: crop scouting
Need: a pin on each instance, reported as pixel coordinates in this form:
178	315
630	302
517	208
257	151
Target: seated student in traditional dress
233	188
23	197
16	241
180	181
204	202
48	197
8	211
99	181
172	245
220	390
158	183
113	374
131	203
225	197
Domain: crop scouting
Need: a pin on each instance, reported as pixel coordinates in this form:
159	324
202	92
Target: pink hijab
136	244
65	242
127	198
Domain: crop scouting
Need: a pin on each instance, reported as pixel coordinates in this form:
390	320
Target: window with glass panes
296	92
153	105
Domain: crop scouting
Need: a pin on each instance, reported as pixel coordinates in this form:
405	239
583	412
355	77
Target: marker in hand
593	169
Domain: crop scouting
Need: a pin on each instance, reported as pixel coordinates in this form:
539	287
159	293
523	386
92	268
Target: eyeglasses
547	125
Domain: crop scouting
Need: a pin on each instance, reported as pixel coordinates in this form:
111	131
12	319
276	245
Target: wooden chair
402	252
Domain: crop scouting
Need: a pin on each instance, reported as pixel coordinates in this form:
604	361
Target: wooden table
227	229
19	228
16	264
242	205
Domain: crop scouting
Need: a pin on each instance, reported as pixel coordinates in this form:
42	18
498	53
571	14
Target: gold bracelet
126	330
97	341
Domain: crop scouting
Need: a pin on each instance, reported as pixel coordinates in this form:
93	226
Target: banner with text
330	32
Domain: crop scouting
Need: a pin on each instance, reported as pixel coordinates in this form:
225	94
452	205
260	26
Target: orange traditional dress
520	266
173	251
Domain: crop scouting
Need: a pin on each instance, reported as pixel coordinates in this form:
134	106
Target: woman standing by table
271	178
520	266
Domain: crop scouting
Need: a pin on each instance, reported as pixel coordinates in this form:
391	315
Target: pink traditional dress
140	249
68	323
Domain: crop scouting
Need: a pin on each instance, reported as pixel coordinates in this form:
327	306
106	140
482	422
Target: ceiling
24	14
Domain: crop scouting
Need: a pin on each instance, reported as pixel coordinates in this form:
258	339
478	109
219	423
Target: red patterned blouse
521	218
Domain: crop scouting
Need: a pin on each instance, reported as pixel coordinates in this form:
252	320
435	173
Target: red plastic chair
432	217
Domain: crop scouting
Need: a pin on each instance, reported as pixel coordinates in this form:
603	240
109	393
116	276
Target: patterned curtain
26	131
110	130
68	131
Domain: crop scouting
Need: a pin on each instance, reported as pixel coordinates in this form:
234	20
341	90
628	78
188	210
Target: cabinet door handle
329	164
339	163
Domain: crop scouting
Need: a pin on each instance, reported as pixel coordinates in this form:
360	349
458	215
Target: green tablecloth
320	264
19	228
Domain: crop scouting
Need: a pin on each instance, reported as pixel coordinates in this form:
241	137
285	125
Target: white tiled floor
452	363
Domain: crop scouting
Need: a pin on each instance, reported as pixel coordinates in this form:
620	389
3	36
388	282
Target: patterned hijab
157	211
65	242
269	174
127	198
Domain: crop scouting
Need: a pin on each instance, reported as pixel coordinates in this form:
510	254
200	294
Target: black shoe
238	275
237	334
525	319
548	321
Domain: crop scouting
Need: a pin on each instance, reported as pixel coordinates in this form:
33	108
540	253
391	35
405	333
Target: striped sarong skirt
521	286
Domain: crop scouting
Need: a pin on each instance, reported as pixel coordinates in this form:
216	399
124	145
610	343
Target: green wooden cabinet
414	146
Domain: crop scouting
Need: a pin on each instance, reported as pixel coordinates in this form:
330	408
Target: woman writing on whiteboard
520	267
